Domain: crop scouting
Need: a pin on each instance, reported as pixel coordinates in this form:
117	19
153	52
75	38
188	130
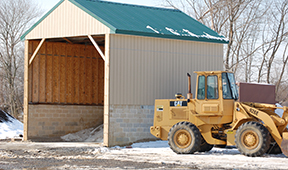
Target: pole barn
91	62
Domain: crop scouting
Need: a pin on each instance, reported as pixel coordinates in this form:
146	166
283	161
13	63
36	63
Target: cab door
207	95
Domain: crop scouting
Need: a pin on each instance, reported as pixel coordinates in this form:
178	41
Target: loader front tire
252	139
184	138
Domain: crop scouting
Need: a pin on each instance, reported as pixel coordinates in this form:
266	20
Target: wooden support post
97	47
36	51
26	88
107	133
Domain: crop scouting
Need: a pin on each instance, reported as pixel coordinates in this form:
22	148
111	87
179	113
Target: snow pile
86	135
9	126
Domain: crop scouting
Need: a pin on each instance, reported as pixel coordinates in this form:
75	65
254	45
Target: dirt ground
29	155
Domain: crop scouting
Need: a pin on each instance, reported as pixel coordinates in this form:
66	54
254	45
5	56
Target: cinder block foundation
130	123
50	122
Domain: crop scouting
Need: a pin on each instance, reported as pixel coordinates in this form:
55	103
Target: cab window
212	87
201	87
226	88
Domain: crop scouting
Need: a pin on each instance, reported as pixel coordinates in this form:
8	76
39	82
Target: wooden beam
107	131
36	51
97	47
67	40
26	92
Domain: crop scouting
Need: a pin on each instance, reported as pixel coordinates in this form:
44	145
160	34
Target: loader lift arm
276	127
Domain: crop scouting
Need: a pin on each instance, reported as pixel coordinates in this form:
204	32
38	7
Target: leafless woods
15	18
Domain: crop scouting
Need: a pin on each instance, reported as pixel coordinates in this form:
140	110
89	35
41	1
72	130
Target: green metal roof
148	21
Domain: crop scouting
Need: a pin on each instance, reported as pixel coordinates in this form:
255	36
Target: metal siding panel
65	21
143	69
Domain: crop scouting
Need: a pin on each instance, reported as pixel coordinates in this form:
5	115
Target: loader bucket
284	144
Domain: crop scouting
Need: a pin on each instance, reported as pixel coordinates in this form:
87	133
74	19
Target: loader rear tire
184	138
252	139
204	146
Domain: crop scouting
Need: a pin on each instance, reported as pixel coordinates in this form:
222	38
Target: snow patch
220	158
149	27
86	135
151	144
190	33
186	32
11	127
279	111
99	150
213	37
172	31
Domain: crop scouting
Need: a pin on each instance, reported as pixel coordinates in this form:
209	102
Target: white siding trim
67	20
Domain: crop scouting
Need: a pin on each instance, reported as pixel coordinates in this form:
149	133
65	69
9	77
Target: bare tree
15	18
276	33
236	19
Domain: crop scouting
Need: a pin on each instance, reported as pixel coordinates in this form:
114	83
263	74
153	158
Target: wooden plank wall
66	74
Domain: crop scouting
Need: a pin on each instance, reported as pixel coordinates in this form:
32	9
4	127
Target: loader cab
214	91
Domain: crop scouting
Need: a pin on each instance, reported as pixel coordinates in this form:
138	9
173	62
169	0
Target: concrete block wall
53	121
130	123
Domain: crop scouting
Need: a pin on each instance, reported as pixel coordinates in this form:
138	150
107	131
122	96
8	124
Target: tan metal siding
65	21
143	68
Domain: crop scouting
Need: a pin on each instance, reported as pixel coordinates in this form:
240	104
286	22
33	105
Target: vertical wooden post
26	92
106	91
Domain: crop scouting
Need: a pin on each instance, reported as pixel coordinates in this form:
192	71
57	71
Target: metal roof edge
188	38
220	36
41	19
112	28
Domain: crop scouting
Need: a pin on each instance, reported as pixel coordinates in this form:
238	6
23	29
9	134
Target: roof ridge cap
134	5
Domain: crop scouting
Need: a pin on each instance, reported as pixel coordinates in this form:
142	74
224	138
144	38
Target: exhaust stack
189	94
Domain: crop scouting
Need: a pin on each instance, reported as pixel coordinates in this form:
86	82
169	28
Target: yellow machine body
217	116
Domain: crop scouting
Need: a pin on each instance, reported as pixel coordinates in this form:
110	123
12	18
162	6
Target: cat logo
177	103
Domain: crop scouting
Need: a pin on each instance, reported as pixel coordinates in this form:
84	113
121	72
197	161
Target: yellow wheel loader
215	118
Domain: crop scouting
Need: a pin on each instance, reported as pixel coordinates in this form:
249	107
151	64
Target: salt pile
86	135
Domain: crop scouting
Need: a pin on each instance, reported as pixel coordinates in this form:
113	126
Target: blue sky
48	4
